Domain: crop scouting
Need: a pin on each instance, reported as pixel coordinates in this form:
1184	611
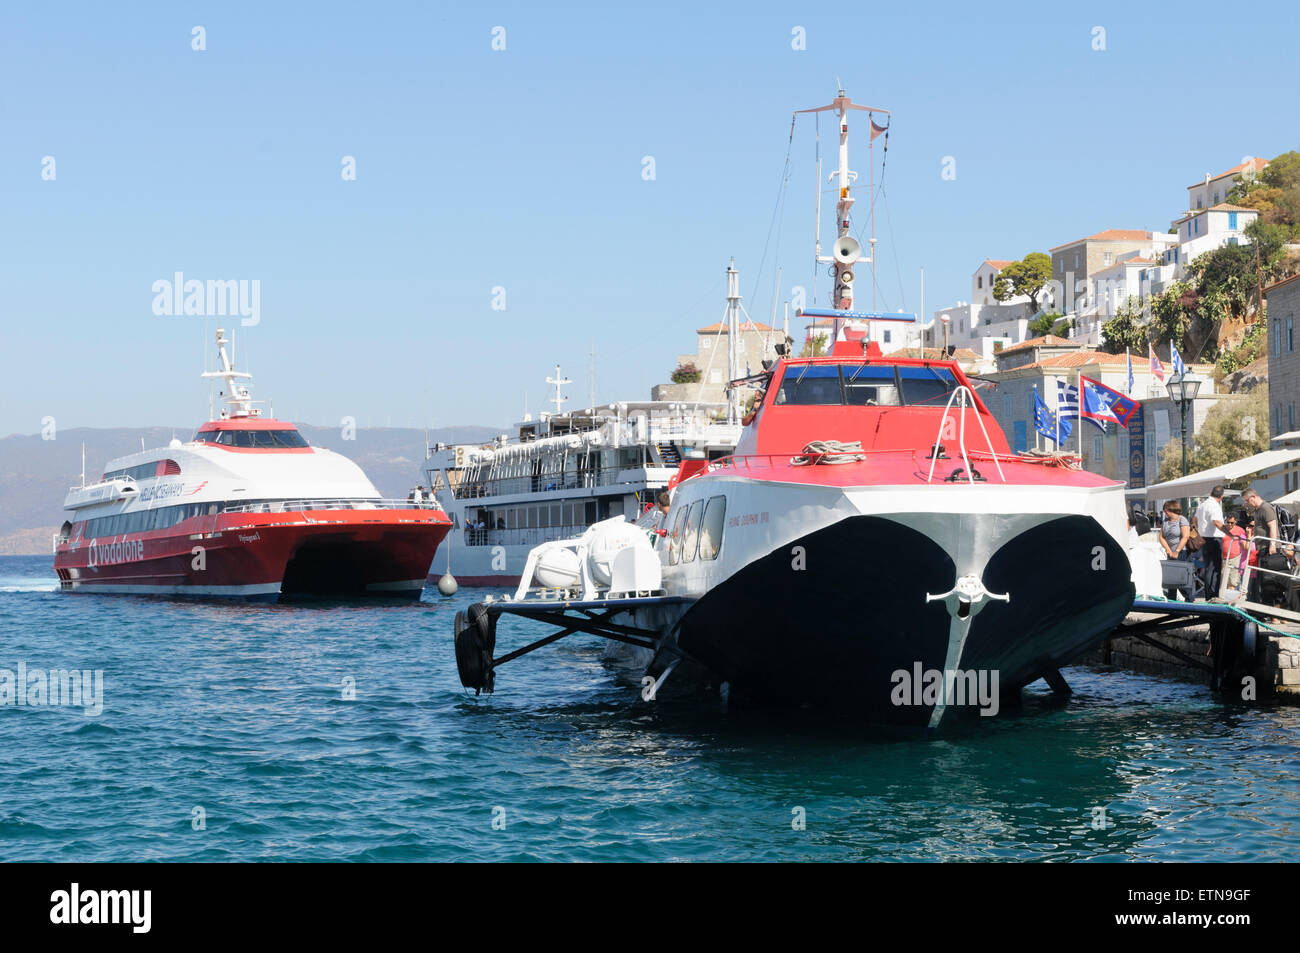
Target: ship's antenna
733	335
559	400
592	381
817	194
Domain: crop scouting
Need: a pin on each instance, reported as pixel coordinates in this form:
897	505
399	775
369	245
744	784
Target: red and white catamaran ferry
247	509
873	545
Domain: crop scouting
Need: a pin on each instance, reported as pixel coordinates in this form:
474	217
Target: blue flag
1044	419
1129	357
1102	404
1179	367
1067	406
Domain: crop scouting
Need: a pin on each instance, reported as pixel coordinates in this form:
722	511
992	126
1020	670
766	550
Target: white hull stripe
260	589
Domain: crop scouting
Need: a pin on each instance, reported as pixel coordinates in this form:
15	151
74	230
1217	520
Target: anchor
965	600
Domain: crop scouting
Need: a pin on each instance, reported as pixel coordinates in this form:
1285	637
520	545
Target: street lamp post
1182	392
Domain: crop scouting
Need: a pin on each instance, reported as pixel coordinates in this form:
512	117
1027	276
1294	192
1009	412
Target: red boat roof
886	403
246	423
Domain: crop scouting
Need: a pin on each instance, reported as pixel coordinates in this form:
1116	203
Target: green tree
1125	331
1274	193
1027	277
1233	429
1176	317
814	346
1044	324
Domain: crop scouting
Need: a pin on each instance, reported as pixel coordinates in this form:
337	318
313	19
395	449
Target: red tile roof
1050	340
1221	207
1279	284
1255	165
1111	235
997	263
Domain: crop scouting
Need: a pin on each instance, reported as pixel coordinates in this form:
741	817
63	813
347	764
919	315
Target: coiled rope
829	452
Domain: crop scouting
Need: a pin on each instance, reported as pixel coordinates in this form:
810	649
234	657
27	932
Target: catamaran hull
854	609
262	563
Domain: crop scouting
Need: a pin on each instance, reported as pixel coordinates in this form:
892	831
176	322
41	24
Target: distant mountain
35	474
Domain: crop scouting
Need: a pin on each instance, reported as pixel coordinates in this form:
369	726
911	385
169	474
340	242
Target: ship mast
237	395
733	342
847	250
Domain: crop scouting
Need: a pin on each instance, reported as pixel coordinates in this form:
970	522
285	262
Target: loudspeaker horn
847	249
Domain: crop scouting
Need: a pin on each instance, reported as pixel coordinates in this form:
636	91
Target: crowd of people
1245	553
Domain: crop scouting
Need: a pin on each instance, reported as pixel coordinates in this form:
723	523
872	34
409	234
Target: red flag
875	129
1157	368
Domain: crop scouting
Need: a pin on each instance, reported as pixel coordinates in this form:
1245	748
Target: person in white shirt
1209	524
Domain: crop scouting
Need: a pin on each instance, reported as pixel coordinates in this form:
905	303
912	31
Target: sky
479	169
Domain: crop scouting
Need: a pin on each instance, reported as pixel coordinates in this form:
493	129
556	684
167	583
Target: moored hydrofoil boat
872	546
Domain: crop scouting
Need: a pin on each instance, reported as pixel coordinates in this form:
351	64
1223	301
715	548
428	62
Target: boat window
870	386
253	439
715	518
811	384
675	540
692	537
927	385
866	385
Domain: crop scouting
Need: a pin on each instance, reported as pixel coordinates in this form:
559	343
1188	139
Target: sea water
339	731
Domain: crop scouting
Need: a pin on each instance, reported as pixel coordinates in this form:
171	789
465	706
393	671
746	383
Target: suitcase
1272	589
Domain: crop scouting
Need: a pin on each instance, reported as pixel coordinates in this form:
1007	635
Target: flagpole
1078	424
1038	434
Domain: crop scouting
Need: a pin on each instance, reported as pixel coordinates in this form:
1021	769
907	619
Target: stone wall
1278	658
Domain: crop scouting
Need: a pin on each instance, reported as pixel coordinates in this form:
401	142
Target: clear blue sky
478	168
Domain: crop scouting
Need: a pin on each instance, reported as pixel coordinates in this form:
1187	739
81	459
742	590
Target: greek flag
1067	398
1067	408
1129	357
1179	367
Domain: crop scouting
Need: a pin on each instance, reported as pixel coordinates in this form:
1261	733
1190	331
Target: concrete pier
1276	668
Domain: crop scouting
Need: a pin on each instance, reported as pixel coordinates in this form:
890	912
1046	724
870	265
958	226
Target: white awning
1199	484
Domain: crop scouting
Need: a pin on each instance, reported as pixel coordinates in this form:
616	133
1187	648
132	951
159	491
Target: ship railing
965	399
522	536
298	506
745	460
554	482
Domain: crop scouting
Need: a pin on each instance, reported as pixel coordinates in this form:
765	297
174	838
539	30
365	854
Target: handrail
963	392
298	506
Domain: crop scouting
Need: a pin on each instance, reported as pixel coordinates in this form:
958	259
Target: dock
1245	650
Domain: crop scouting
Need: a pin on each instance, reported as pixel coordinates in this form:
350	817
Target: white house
1207	229
983	324
1134	277
1213	190
1075	265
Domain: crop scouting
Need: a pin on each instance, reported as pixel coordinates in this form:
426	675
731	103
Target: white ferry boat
561	474
246	509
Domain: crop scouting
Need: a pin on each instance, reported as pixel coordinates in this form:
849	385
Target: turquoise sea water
238	710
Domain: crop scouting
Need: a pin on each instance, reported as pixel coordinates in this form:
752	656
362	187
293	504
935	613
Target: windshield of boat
866	385
255	439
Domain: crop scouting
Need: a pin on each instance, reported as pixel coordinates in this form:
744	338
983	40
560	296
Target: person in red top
1237	548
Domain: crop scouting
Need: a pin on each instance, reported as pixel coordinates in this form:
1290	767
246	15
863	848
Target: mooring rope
1241	612
829	452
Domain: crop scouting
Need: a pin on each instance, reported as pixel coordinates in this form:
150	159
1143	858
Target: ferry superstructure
558	475
247	509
